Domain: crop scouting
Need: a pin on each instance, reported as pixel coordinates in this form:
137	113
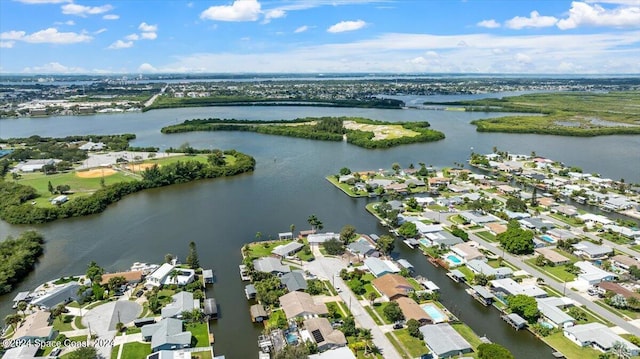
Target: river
288	185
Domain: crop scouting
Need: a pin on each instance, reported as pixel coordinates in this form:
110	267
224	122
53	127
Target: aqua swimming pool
434	313
547	238
454	259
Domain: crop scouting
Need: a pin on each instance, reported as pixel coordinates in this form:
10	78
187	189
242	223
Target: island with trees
565	113
53	178
18	256
358	131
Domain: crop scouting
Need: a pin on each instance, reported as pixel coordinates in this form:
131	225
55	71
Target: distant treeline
15	209
166	102
542	126
18	257
322	128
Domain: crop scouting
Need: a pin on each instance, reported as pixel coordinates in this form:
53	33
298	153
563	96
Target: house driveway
102	321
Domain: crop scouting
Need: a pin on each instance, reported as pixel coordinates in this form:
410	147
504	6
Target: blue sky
320	36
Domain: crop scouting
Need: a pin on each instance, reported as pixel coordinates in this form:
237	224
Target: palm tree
22	306
620	350
12	320
174	276
292	227
315	223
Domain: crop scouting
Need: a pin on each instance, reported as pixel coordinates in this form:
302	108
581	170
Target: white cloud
522	58
49	36
432	54
120	45
273	14
54	68
302	28
343	26
35	2
583	14
132	37
619	2
146	67
6	44
68	22
111	17
535	20
147	28
97	32
489	24
84	11
240	10
149	35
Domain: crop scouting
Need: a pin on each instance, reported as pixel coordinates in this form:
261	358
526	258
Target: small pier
516	321
244	273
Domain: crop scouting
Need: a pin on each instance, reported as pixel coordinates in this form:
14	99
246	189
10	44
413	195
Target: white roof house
592	274
598	336
550	308
481	267
443	341
319	238
379	267
591	250
511	287
159	275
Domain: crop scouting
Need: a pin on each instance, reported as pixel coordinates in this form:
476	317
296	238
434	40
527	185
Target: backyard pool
291	338
453	259
436	314
547	238
424	242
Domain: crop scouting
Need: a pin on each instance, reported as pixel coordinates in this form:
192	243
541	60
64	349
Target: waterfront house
508	286
597	336
171	354
443	341
468	251
618	203
442	238
624	262
592	275
258	313
288	249
63	294
158	276
22	352
379	267
591	219
180	302
319	238
323	334
294	281
361	247
536	224
413	310
481	267
566	210
270	265
478	219
167	334
335	353
300	304
551	311
36	326
592	251
392	286
553	257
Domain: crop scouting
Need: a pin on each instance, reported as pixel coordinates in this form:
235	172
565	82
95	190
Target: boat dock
207	276
244	273
456	276
481	294
516	321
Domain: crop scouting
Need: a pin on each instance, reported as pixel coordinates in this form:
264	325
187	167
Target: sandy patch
139	167
381	132
94	173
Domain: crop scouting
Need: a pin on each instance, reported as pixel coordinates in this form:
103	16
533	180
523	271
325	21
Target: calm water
287	186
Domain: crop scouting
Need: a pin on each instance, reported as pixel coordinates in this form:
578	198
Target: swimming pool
547	238
454	259
291	338
424	242
436	315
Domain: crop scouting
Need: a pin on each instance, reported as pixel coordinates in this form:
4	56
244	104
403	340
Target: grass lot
305	257
80	186
468	273
568	220
366	279
486	235
413	345
381	132
272	322
373	315
346	188
114	352
624	313
164	296
557	272
78	322
379	308
568	348
200	334
135	350
263	249
399	347
615	238
63	323
414	283
456	219
339	312
173	159
202	355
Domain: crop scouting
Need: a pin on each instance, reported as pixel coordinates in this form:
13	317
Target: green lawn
570	350
135	350
63	323
200	334
304	256
272	322
414	283
202	355
379	308
78	322
468	273
373	315
572	221
414	346
396	344
624	313
338	309
346	188
557	272
486	235
263	249
114	352
173	159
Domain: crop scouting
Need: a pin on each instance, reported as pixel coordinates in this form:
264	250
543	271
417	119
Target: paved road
560	287
329	269
154	97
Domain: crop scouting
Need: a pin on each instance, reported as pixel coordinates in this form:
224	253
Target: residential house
412	310
379	267
631	233
167	334
258	313
616	288
468	251
361	247
442	238
496	228
591	219
508	286
481	267
288	249
319	238
477	218
592	275
551	310
335	353
270	265
566	210
393	286
34	327
536	224
592	251
598	336
63	294
294	281
300	304
553	257
443	341
180	302
619	203
624	261
323	334
171	354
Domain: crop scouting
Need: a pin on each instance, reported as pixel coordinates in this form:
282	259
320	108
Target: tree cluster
516	240
18	257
